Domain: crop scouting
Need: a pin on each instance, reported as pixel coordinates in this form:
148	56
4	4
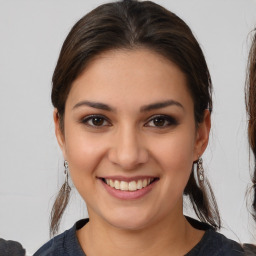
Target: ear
59	132
202	135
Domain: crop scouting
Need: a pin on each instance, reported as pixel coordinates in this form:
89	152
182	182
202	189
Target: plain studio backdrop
31	164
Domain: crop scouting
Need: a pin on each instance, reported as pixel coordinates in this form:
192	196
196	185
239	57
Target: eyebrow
146	108
159	105
92	104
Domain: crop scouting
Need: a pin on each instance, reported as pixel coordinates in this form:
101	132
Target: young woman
132	98
251	110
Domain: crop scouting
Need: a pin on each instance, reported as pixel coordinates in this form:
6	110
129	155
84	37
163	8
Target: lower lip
128	195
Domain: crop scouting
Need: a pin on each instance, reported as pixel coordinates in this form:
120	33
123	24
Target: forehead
136	76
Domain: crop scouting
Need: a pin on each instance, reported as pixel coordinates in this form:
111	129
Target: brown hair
251	110
130	25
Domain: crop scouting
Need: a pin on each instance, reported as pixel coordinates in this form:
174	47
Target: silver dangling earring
200	170
66	172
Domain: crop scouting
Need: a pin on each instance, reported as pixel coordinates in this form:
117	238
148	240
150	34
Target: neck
170	234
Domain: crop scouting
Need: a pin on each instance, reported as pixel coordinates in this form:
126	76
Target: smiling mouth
129	186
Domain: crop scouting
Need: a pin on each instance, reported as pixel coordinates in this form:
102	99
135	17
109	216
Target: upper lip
128	179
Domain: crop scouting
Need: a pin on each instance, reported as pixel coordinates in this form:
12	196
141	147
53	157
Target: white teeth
124	185
144	183
111	183
139	184
132	186
117	184
129	186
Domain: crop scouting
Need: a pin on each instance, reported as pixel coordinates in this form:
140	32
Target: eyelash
87	119
168	121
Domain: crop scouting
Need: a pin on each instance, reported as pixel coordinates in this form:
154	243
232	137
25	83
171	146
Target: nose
127	149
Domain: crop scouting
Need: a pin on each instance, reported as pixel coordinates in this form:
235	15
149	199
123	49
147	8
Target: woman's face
130	137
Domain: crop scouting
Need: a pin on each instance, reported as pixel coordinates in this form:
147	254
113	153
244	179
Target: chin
131	220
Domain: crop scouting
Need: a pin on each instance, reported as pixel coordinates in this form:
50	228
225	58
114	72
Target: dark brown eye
96	121
161	121
158	121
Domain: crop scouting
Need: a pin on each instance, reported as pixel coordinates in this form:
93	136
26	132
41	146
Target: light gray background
31	165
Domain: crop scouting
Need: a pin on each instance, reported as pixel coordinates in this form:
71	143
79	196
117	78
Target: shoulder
64	244
225	246
216	244
53	247
213	243
11	248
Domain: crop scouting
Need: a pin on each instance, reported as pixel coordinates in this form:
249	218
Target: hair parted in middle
133	25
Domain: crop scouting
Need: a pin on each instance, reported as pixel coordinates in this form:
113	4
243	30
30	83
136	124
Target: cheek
84	153
175	155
